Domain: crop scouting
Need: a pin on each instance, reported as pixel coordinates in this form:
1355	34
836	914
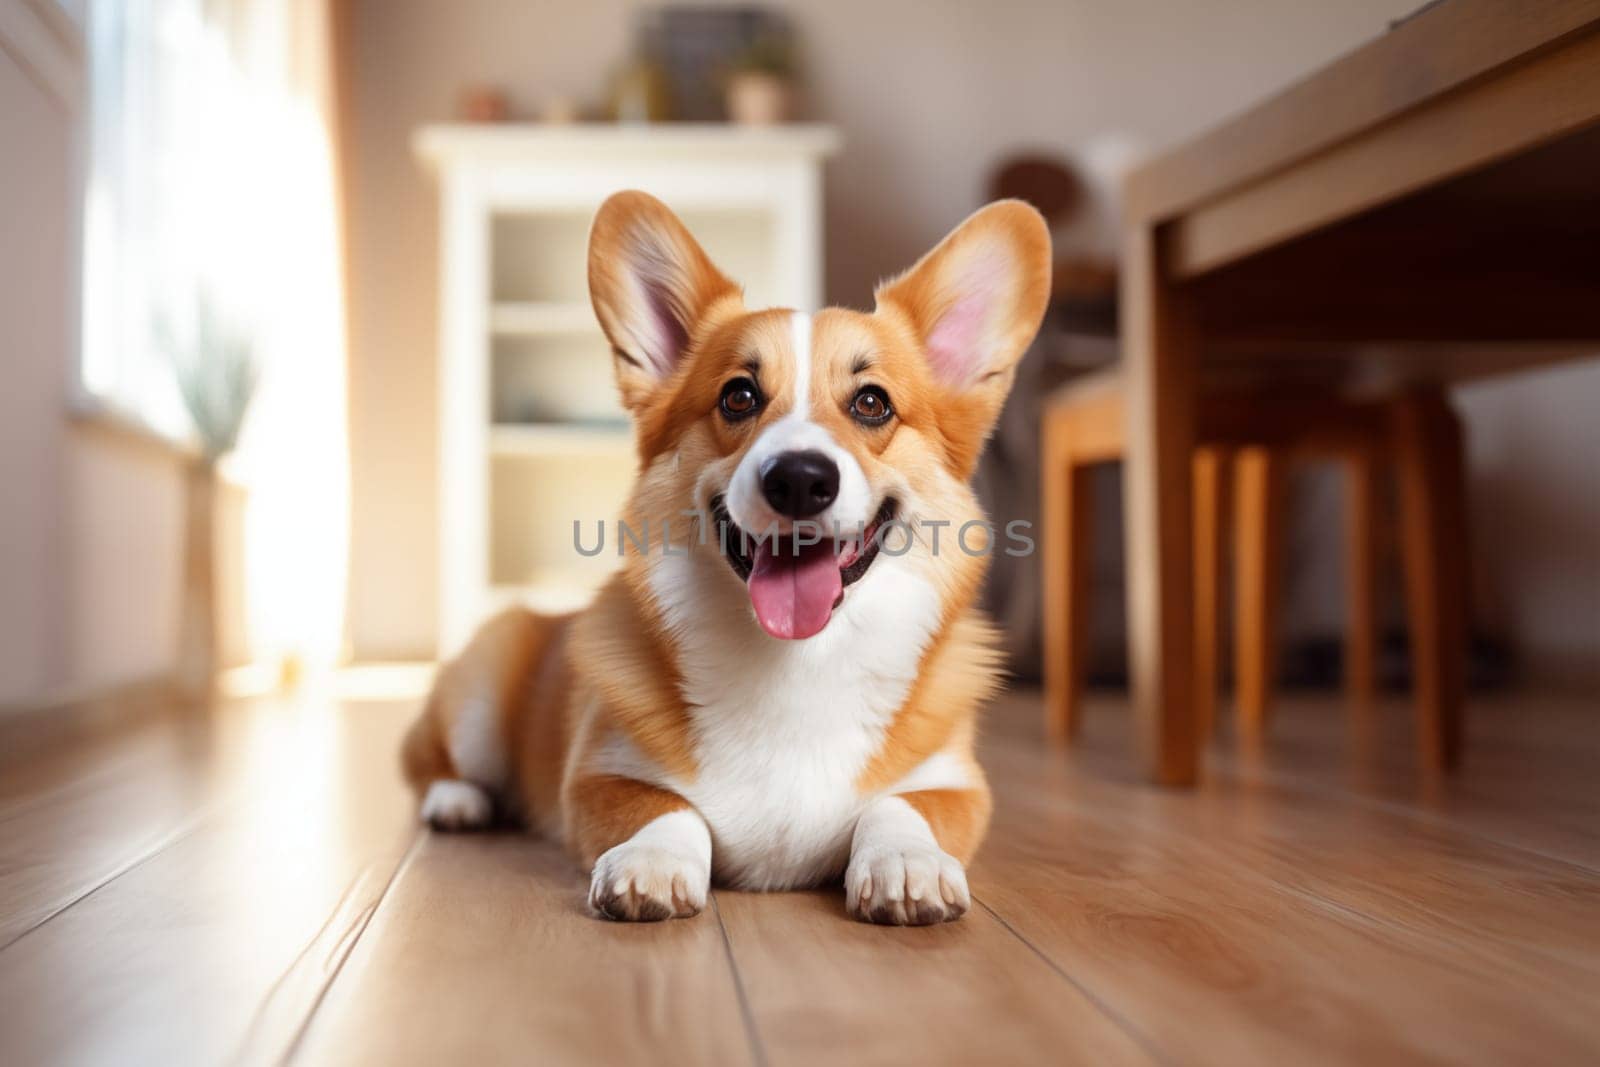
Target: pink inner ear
661	326
960	344
669	337
956	339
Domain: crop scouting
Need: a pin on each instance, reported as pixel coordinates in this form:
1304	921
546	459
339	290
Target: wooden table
1426	209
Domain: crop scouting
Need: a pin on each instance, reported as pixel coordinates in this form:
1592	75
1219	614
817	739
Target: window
198	142
211	199
139	272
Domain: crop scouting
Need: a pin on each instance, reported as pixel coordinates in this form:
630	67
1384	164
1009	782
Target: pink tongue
794	594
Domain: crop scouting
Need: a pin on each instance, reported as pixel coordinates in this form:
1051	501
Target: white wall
1535	455
124	577
90	522
34	149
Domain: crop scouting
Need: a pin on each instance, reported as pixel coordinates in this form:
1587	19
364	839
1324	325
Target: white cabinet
531	434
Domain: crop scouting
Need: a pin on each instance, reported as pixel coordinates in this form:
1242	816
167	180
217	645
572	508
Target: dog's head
817	447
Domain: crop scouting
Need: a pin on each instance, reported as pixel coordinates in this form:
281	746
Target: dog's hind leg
449	799
457	754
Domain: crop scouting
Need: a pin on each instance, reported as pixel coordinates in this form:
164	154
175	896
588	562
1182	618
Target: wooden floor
249	886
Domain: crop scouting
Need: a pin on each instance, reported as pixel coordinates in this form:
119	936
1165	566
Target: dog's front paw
905	886
639	882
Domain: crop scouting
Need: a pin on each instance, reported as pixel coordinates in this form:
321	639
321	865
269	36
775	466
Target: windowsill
102	416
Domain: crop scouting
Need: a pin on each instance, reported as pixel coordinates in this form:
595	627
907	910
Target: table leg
1361	577
1433	527
1161	350
1212	493
1257	566
1066	506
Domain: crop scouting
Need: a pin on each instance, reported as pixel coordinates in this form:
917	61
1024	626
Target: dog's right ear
652	286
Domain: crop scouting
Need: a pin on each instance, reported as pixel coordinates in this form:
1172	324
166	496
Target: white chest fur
783	729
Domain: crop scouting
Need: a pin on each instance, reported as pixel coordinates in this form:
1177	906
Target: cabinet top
447	144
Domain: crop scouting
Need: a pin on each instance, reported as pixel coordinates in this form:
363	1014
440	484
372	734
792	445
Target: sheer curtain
212	176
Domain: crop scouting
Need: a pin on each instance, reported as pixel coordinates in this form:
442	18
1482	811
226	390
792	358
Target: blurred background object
216	373
156	152
706	51
484	103
760	82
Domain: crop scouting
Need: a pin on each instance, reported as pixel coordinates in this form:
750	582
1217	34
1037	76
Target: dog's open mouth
794	586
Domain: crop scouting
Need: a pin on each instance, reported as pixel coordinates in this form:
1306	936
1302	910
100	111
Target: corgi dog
784	689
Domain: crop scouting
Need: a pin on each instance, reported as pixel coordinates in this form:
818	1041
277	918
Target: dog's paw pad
455	805
914	886
647	883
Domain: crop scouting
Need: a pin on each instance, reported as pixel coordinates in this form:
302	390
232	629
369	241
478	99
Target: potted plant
760	84
216	375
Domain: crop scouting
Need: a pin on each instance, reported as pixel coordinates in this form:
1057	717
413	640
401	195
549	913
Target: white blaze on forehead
800	335
795	432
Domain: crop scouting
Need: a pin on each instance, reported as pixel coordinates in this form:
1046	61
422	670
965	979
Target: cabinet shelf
561	440
534	318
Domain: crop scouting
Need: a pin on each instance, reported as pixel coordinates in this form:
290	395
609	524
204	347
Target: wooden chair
1247	439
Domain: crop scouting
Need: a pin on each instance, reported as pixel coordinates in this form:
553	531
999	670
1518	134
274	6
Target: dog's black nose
799	484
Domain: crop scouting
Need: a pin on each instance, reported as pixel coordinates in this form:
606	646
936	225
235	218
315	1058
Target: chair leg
1429	456
1361	578
1068	517
1258	537
1210	502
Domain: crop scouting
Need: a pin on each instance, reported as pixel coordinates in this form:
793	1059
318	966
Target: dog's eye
871	405
740	399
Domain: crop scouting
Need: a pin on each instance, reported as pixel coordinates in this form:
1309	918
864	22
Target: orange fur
496	663
605	810
957	817
958	677
619	653
541	727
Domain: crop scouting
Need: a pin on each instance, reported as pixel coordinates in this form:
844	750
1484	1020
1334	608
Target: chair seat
1084	418
1088	388
1245	437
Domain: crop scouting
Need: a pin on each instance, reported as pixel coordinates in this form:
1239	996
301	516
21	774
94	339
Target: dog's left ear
976	301
652	286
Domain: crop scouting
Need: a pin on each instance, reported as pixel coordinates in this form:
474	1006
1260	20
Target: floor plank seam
1356	917
1361	918
295	1043
85	782
1118	1019
1424	945
757	1047
172	837
1410	814
262	1007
